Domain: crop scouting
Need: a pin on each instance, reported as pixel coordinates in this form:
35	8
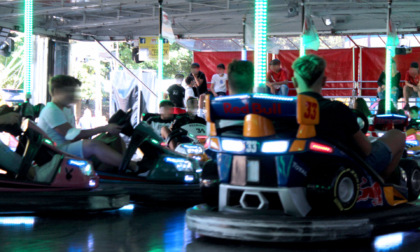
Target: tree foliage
179	61
11	68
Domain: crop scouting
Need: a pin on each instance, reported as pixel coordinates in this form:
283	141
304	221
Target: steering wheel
123	119
361	120
175	134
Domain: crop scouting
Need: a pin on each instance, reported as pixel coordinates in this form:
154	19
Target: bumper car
272	179
47	179
191	139
380	124
170	177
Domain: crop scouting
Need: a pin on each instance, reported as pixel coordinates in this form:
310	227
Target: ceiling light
328	22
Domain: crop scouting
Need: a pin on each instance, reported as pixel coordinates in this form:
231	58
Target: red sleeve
407	76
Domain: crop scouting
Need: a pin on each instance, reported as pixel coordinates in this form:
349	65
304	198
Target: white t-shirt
219	82
189	92
52	116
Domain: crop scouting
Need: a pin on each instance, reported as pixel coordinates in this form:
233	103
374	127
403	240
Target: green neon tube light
28	47
160	66
260	44
391	43
302	51
388	73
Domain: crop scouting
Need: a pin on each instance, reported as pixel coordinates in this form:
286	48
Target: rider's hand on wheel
113	129
9	118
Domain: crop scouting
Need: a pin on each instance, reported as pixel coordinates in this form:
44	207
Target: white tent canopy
129	19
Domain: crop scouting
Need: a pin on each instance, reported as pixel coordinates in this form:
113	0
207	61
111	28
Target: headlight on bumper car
233	145
280	146
84	166
180	164
189	149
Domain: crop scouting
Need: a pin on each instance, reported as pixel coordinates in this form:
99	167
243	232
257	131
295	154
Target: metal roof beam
80	7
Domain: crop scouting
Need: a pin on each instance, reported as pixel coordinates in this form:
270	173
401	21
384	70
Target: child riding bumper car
39	177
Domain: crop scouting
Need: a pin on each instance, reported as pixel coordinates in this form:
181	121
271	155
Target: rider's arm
177	123
212	89
408	84
407	76
198	79
213	83
73	134
362	142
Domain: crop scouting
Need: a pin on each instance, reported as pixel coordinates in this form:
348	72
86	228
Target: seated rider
57	120
165	117
338	122
176	93
414	116
182	120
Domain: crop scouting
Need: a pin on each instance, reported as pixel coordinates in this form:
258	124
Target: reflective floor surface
137	228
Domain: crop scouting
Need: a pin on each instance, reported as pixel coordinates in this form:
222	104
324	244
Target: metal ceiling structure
129	19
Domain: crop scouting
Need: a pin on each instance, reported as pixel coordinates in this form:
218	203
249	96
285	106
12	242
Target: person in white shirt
219	81
189	91
241	81
57	120
86	121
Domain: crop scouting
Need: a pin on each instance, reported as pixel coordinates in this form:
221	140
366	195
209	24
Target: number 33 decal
251	146
311	109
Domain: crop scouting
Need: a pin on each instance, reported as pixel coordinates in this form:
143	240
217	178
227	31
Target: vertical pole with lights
27	87
392	42
160	53
388	71
260	44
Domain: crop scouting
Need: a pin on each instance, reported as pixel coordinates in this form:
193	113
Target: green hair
310	68
241	76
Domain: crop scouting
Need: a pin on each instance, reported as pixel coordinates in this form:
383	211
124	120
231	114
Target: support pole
27	87
160	53
302	43
244	52
390	50
260	45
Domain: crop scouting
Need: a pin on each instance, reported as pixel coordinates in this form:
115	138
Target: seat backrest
307	116
236	107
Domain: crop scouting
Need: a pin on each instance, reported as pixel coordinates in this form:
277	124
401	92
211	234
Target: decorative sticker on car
373	193
284	163
299	169
69	173
195	129
256	108
251	146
